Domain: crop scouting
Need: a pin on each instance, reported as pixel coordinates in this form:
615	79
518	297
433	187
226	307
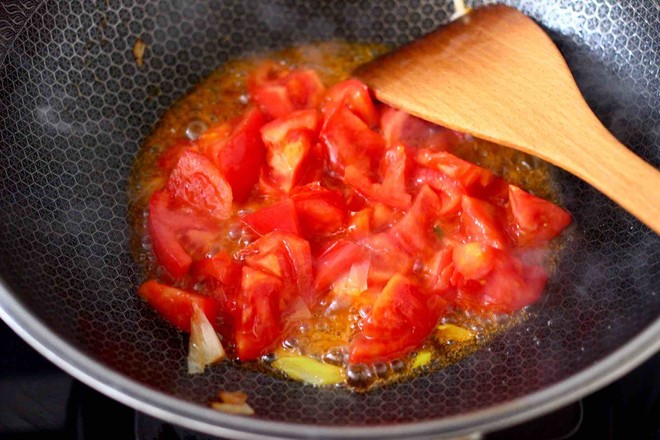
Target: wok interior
75	107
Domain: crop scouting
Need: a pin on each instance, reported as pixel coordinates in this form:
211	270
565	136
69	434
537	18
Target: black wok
74	108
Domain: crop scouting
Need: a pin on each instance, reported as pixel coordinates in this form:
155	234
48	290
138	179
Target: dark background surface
41	402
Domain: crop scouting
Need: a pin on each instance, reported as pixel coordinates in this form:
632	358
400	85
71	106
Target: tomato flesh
280	216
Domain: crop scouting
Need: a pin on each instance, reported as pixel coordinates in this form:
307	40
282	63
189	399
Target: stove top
40	401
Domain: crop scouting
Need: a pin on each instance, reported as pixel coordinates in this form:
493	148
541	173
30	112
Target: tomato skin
198	182
176	305
535	220
398	322
321	211
349	141
280	216
257	325
355	96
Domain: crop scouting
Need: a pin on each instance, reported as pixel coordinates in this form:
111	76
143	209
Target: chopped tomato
220	269
497	282
321	211
355	96
359	224
401	128
172	229
305	88
399	321
536	220
439	271
336	261
392	192
482	221
278	92
275	132
288	142
349	141
388	258
198	182
258	324
287	257
280	216
240	155
474	260
176	305
448	190
414	232
169	158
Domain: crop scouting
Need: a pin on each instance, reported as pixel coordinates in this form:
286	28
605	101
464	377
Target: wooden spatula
496	75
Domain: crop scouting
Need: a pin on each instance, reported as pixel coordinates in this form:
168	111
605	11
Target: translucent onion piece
309	370
204	347
300	311
354	281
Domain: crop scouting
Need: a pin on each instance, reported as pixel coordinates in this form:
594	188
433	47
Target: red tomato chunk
327	194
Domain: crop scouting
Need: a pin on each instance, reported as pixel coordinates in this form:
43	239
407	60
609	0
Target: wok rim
196	417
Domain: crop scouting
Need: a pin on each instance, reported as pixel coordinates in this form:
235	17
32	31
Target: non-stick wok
75	107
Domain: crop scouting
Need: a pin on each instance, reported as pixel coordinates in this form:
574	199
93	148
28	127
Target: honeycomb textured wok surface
75	107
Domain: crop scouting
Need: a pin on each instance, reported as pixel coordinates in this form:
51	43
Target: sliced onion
354	281
204	347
